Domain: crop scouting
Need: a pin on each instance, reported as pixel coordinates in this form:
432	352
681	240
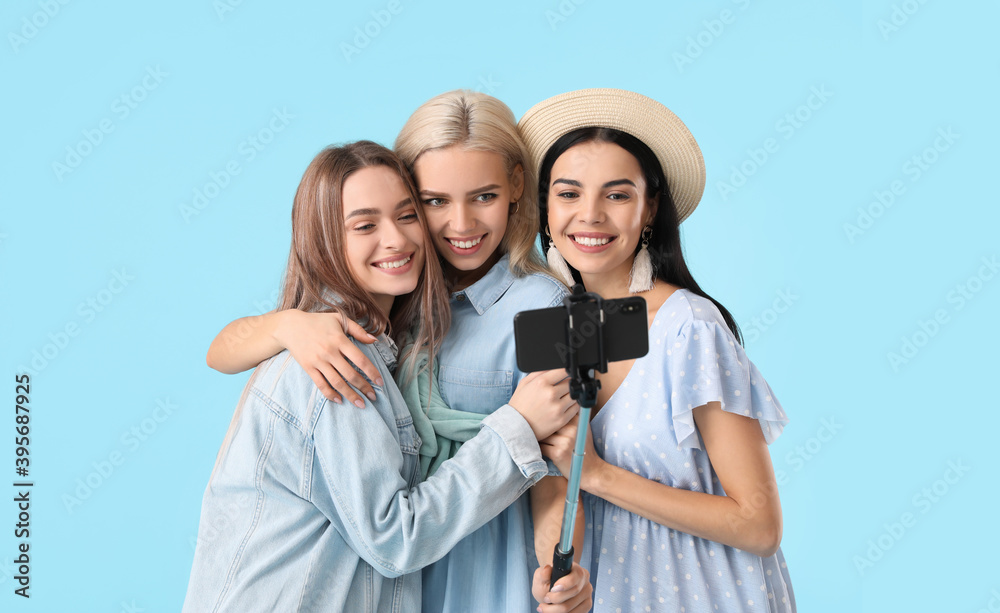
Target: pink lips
405	268
471	250
591	248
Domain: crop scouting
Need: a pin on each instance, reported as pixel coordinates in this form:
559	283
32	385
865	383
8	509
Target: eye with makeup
409	216
433	202
568	194
619	196
364	227
486	198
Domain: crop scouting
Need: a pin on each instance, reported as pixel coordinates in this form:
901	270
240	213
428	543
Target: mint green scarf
442	429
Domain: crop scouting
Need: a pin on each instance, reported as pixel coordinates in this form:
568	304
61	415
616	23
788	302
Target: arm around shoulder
359	484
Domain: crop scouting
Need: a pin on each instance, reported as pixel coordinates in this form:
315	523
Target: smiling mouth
394	263
592	241
466	244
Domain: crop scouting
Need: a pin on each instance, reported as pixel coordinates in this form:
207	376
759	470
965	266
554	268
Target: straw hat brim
641	116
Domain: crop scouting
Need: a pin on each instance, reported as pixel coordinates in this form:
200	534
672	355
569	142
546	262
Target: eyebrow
478	190
372	212
605	186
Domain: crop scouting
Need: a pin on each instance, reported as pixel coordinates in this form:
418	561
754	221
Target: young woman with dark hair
681	504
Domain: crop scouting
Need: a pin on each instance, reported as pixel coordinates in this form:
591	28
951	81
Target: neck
461	279
384	303
612	284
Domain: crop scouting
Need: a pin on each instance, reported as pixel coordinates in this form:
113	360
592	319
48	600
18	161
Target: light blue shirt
491	569
314	507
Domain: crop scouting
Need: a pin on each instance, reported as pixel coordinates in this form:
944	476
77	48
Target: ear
654	205
517	182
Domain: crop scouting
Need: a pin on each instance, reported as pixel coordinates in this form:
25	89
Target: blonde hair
317	264
480	122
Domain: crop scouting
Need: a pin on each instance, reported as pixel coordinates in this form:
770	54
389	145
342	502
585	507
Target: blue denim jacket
491	569
313	506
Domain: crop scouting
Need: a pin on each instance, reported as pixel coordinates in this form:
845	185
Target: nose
392	236
462	219
591	209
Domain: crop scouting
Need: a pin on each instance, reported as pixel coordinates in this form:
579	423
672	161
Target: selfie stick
582	388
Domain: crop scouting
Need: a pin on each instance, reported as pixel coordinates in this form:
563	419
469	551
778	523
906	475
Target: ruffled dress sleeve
704	363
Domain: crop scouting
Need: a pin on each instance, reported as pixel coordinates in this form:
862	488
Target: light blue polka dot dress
647	427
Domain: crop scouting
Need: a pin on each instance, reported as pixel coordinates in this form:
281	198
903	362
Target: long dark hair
665	241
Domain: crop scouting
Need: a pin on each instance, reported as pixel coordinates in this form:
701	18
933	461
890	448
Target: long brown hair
318	277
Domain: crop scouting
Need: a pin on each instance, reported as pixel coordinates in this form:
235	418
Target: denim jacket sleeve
357	482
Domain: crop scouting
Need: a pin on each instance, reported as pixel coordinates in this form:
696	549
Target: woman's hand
571	594
542	398
319	343
559	448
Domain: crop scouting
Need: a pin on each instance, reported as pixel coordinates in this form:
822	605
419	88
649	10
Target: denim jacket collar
485	292
388	350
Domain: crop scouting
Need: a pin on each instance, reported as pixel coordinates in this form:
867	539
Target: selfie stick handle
582	388
562	558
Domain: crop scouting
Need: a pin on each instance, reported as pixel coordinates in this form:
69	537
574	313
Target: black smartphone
542	338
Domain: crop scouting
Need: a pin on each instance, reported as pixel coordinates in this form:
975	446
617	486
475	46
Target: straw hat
642	117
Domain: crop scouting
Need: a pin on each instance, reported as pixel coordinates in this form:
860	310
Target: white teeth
396	264
591	242
466	244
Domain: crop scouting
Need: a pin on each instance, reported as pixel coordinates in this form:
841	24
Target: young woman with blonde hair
475	186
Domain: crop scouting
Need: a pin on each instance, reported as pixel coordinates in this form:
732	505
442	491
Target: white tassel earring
641	278
557	264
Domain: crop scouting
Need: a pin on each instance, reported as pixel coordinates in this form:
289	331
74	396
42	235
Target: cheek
415	234
357	252
557	219
436	220
497	217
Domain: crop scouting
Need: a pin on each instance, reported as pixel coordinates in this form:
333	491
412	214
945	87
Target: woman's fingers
359	359
340	385
554	376
574	593
541	582
352	376
324	386
359	333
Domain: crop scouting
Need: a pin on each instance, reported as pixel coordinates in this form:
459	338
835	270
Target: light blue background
129	545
